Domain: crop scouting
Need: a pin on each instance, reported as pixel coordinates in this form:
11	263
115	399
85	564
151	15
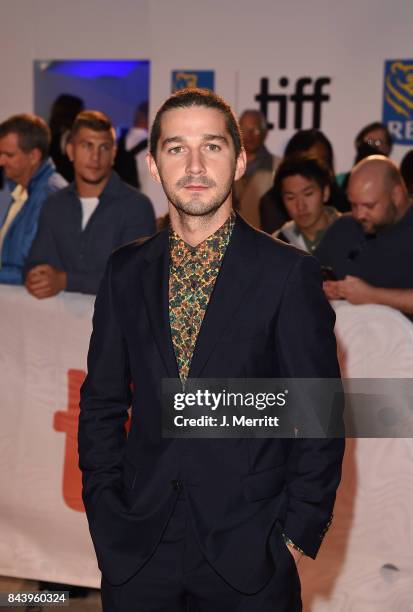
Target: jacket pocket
267	483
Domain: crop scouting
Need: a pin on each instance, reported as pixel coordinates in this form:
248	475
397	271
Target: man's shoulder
345	222
140	249
126	194
56	198
274	250
345	227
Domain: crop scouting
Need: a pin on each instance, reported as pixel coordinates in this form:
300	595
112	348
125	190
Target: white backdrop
242	41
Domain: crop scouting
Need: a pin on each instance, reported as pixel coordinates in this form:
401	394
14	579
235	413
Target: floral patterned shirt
192	275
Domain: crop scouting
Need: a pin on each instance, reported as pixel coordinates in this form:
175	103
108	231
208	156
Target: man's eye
309	193
175	150
213	147
105	147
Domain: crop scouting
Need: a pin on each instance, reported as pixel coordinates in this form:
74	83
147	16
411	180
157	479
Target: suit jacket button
176	485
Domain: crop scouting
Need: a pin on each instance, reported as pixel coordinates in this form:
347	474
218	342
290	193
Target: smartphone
328	273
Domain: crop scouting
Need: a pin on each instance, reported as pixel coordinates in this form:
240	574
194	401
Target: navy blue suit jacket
267	317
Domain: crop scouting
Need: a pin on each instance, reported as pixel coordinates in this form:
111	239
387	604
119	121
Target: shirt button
176	485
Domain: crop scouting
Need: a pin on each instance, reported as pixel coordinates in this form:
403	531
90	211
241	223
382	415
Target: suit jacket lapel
232	282
155	283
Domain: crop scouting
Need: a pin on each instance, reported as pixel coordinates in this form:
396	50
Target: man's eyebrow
180	139
167	141
215	137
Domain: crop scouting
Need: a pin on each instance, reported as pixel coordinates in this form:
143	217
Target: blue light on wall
93	69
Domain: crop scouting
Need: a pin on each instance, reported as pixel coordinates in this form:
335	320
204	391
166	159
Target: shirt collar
46	166
211	248
332	216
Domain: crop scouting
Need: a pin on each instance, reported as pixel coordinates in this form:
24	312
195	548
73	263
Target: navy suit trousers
178	578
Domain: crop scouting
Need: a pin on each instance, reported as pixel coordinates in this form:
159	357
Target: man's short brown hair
32	132
93	120
185	98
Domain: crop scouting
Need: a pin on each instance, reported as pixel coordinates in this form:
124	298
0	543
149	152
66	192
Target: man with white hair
370	250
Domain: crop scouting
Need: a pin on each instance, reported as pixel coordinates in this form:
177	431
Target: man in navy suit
203	524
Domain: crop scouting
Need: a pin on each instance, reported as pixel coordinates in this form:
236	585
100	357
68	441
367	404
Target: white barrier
43	530
366	562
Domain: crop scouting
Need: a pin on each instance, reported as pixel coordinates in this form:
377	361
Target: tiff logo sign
306	92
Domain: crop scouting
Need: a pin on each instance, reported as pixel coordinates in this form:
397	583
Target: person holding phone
370	250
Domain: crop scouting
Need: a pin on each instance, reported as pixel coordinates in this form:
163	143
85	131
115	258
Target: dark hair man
81	225
305	190
197	524
370	251
312	143
304	143
24	150
133	143
260	169
377	136
406	170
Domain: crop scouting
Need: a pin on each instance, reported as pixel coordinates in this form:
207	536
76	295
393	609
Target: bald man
370	250
261	166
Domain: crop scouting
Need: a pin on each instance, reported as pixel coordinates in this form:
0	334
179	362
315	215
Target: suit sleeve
139	220
105	399
307	349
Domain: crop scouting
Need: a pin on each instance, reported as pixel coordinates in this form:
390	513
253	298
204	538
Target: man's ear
69	150
397	194
114	151
241	164
35	156
326	194
153	168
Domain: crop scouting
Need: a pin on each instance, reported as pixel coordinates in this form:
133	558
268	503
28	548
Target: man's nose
95	154
301	204
357	213
195	163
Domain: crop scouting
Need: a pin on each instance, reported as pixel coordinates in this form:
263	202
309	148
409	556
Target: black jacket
267	317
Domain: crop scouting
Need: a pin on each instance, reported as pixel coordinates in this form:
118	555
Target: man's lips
196	187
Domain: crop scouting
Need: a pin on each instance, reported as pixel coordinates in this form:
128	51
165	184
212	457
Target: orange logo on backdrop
68	422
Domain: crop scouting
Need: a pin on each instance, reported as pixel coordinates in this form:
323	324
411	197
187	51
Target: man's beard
197	207
94	181
388	219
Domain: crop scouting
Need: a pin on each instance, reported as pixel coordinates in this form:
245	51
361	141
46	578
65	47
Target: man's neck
194	230
90	190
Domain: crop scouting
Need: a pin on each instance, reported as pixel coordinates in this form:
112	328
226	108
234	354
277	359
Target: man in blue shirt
24	147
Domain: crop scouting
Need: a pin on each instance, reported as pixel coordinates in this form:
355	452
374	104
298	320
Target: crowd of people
73	192
358	224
